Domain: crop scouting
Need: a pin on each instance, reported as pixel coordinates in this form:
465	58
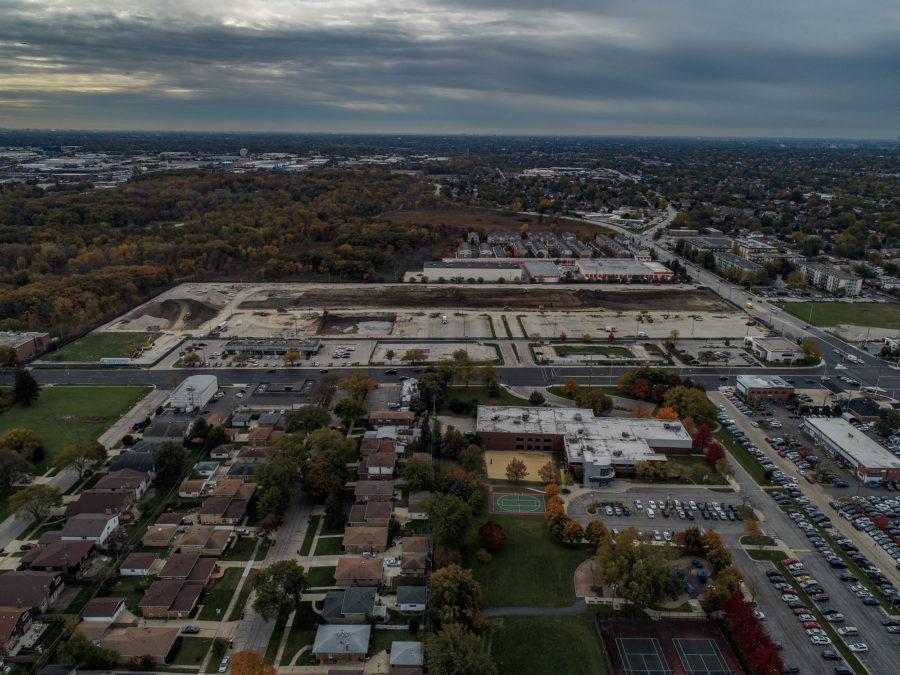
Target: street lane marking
801	550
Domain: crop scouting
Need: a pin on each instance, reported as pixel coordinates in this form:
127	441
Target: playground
497	461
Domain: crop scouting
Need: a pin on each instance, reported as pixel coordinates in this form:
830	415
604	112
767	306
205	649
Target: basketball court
517	502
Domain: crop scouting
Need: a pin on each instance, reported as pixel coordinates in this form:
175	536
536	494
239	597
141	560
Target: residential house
407	658
241	420
192	489
372	444
205	540
415	552
359	572
273	419
138	565
125	480
412	598
38	590
378	466
167	429
341	642
362	538
206	469
416	507
351	605
14	623
170	599
103	609
70	558
188	567
263	437
134	642
242	471
250	454
371	513
159	536
95	527
233	487
374	491
138	458
223	451
172	518
222	510
100	502
396	418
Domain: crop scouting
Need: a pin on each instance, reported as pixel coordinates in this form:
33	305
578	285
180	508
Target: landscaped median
775	557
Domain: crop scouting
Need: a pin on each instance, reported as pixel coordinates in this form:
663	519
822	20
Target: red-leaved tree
714	452
492	536
702	437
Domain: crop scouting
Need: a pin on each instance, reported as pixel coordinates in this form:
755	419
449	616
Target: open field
548	644
532	570
64	415
95	346
875	314
498	460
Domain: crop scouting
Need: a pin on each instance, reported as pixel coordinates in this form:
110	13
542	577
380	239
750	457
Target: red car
790	561
768	440
822	597
811	624
782	453
800	610
809	478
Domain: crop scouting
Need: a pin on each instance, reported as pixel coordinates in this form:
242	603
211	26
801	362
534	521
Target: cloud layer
706	67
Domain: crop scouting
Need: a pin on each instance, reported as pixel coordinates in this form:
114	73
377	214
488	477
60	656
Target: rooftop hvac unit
524	416
625	434
495	417
617	453
577	417
517	421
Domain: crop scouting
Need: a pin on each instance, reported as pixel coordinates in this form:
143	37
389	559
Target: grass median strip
836	640
744	458
310	535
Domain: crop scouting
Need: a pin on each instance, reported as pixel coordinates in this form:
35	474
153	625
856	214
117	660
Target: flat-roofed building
26	345
831	278
602	446
756	388
462	270
620	269
868	459
541	271
775	349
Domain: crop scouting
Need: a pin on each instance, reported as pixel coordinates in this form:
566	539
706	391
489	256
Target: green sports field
96	346
874	314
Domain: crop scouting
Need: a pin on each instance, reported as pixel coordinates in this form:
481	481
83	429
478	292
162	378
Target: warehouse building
619	269
473	270
756	388
306	347
194	392
602	446
869	460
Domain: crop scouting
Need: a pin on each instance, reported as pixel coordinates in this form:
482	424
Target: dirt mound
515	297
181	313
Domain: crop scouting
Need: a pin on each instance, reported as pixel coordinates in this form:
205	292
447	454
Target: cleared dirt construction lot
498	460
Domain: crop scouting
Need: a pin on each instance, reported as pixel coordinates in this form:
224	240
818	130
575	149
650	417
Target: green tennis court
517	502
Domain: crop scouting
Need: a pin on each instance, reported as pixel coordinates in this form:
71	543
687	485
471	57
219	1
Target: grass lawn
609	390
532	570
382	639
242	549
480	394
220	595
744	458
875	314
242	597
548	644
275	640
328	546
303	632
602	350
321	576
333	529
192	651
715	478
96	346
310	535
126	587
65	415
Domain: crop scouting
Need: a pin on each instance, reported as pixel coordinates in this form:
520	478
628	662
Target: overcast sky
799	68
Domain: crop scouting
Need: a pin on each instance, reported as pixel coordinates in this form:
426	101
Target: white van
642	334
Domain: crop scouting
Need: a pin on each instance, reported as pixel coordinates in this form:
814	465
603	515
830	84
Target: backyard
532	570
65	415
874	314
96	346
548	644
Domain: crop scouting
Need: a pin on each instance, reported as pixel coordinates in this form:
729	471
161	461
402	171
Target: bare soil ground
498	460
181	313
518	298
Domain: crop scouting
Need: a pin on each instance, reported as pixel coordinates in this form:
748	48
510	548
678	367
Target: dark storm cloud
807	69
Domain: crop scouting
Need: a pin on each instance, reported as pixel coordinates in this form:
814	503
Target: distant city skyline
582	67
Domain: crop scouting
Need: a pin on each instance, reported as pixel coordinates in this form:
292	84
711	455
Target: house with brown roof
103	609
377	466
188	567
371	513
416	508
222	510
415	553
100	502
250	454
234	487
133	642
170	599
38	590
159	536
138	564
374	491
359	571
95	527
14	623
371	445
392	418
71	558
171	518
225	451
125	480
362	538
205	540
263	437
192	489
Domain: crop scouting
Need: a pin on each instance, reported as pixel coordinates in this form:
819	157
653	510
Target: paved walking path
579	607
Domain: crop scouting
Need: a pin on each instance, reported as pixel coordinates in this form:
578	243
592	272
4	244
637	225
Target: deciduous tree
455	597
23	442
714	452
35	500
25	389
307	418
81	457
279	588
549	472
596	532
358	386
278	481
570	387
350	410
450	519
170	461
595	400
80	651
453	650
492	536
13	467
516	469
249	662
